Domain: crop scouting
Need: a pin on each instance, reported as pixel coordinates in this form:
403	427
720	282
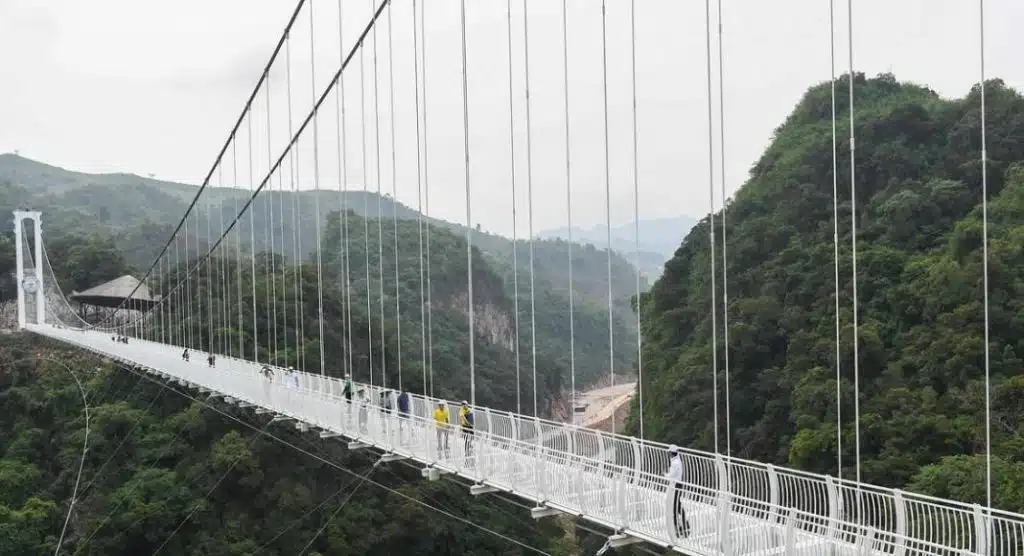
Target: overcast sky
154	87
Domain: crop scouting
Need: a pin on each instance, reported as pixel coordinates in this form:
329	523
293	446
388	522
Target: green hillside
920	296
155	457
138	214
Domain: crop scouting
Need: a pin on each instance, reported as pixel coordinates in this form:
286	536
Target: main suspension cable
182	224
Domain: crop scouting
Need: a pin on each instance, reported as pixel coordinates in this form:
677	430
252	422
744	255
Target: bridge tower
32	284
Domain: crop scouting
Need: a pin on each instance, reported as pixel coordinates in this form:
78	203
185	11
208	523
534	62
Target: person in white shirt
675	477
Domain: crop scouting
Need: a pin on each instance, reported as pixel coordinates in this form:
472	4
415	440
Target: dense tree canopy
919	273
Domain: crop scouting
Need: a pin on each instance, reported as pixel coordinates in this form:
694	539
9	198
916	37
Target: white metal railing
734	506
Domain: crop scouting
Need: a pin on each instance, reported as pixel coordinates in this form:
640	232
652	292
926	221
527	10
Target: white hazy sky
151	87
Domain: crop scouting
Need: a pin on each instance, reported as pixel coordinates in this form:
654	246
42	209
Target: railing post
514	444
485	445
773	494
980	531
866	543
632	485
791	531
540	467
833	510
901	523
724	503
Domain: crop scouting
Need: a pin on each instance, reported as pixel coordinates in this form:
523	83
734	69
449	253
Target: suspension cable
853	240
515	237
380	213
295	178
711	226
238	262
984	246
426	199
366	212
529	197
281	190
234	130
252	254
568	212
302	127
394	195
608	197
419	194
271	263
208	314
835	236
469	212
343	182
725	257
636	214
316	195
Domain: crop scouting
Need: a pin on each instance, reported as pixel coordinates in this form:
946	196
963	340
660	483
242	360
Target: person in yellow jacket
442	423
466	423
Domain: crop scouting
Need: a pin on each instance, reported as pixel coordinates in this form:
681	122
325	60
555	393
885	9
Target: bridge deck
613	481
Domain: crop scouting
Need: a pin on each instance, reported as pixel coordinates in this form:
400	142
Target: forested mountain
919	272
135	215
155	457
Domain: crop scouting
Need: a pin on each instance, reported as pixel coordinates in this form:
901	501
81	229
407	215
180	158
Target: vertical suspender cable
984	246
252	253
529	200
636	216
607	196
394	199
711	226
225	293
188	291
281	192
209	279
238	261
366	211
469	211
515	242
419	194
316	194
272	254
835	235
426	200
853	241
725	258
568	210
343	194
297	254
380	213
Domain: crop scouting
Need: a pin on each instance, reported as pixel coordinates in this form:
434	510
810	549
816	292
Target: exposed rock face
488	319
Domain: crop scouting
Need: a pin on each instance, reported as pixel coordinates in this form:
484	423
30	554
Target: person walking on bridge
442	424
466	422
403	414
675	477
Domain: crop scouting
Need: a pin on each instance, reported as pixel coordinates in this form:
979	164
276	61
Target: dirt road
601	402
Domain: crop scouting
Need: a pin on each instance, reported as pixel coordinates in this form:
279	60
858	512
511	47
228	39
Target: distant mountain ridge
659	239
140	213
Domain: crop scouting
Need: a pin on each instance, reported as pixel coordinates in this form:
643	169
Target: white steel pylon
32	284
